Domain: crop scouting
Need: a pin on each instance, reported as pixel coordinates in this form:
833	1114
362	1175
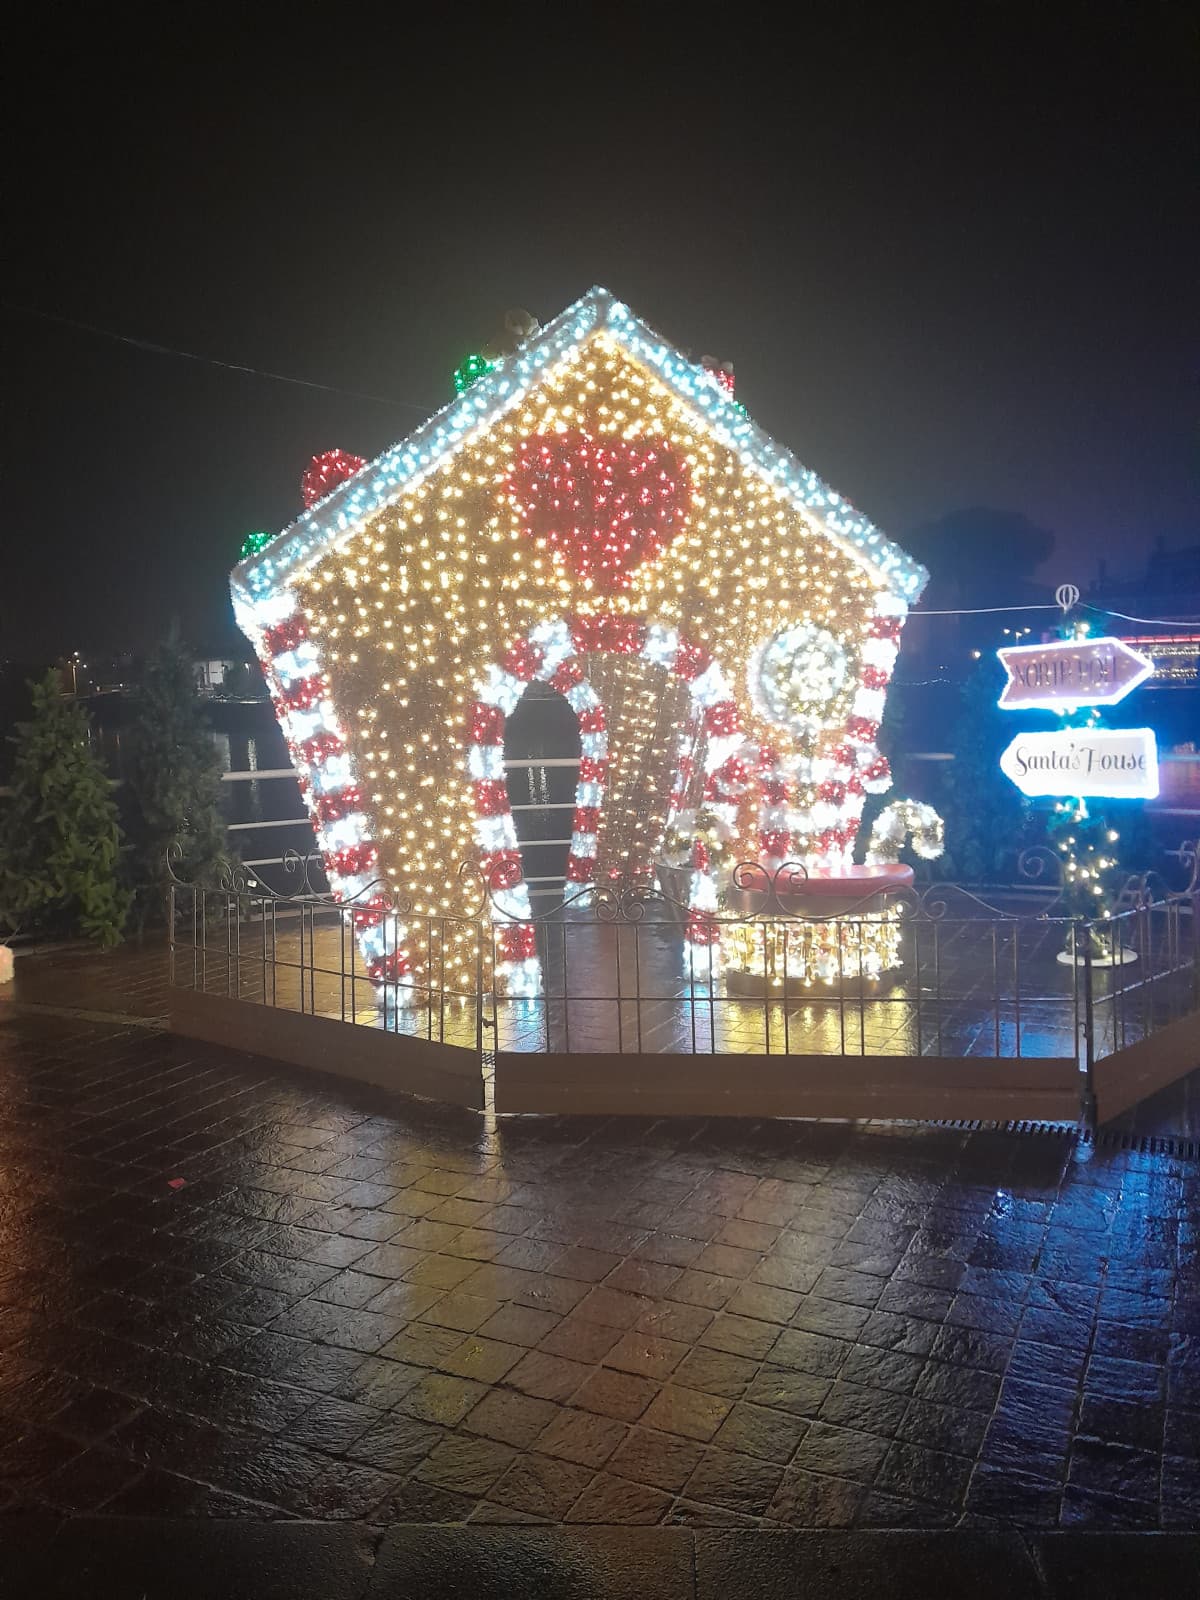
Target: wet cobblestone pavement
229	1290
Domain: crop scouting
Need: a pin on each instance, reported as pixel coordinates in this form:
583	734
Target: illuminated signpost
1070	672
1080	762
1094	763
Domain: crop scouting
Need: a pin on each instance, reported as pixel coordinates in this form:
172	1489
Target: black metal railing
939	974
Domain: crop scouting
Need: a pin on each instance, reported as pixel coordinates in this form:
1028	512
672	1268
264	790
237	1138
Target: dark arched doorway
541	759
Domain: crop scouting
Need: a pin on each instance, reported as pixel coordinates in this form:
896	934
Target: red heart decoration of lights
605	505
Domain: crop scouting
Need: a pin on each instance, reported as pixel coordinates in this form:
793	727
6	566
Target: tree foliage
60	838
888	740
986	816
174	777
975	555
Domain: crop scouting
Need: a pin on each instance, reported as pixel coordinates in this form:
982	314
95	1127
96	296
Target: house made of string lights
597	515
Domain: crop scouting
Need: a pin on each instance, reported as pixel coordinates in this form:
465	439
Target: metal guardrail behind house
540	886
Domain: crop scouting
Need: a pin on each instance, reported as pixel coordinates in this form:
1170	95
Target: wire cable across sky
153	348
213	361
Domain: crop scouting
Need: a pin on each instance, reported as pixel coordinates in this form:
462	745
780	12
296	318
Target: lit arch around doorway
552	653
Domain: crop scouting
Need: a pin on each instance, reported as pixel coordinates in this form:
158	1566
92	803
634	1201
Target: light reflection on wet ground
965	989
228	1289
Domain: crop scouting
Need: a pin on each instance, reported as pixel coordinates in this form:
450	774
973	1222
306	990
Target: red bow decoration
325	472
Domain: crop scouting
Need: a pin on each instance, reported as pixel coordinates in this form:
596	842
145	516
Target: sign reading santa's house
1117	763
1071	672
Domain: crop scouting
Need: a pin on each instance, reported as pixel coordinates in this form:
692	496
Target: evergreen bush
986	816
60	838
173	772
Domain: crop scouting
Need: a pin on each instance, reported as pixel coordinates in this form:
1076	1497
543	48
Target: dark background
953	255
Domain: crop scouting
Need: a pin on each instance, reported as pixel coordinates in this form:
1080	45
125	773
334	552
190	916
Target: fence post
171	935
479	993
1089	1032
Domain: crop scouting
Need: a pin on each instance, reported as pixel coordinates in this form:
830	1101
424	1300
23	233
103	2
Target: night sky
953	256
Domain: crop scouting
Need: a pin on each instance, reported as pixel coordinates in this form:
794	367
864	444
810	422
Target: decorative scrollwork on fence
231	877
1034	865
299	866
234	880
172	858
1040	862
488	882
621	899
1189	859
754	893
787	892
628	900
377	897
759	893
1151	888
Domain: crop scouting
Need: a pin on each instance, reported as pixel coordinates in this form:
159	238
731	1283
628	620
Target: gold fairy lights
413	610
762	536
783	954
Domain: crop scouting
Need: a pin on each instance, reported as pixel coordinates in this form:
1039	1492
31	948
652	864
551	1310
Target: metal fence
941	976
1141	972
300	951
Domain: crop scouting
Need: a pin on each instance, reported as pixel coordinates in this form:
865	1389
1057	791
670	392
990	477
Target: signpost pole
1089	1028
1072	675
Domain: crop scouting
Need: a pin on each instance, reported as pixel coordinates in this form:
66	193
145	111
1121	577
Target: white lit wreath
906	818
796	674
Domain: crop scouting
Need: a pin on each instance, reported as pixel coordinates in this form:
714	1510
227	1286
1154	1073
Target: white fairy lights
906	819
414	603
781	956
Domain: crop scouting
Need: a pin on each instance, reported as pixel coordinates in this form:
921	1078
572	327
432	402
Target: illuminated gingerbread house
594	515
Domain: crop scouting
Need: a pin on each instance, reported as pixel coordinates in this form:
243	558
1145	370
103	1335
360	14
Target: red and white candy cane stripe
291	661
552	653
774	820
825	829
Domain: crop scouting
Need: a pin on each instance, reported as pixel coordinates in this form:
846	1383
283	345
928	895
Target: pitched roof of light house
398	470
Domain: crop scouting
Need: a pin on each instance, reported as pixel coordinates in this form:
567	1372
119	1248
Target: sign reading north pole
1070	672
1115	763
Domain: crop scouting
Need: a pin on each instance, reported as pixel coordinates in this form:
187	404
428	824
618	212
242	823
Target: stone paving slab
131	1559
226	1290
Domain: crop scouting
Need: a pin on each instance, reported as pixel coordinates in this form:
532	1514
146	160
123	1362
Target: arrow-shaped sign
1071	672
1118	763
